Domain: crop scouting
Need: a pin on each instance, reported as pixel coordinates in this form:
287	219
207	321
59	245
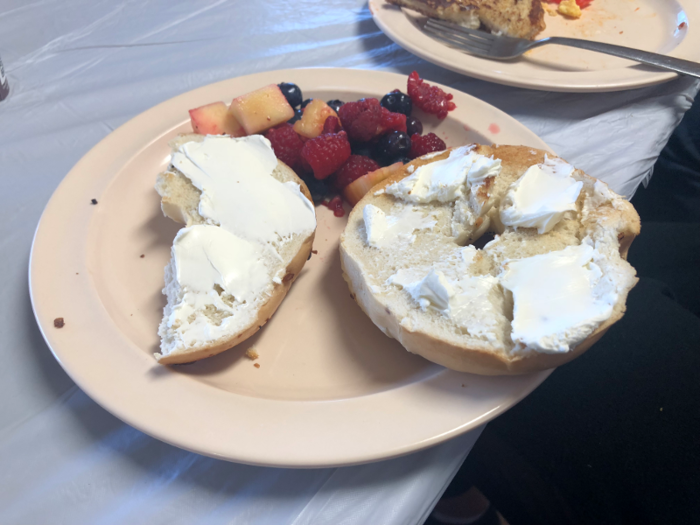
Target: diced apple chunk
315	114
357	189
261	109
215	119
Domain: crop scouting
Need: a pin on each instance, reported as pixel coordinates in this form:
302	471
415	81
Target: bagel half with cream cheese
249	229
541	292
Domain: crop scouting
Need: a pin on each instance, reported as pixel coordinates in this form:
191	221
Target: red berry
335	204
326	153
430	99
426	144
354	168
361	119
286	144
392	121
331	125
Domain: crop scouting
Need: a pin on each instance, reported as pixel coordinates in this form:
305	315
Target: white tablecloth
80	68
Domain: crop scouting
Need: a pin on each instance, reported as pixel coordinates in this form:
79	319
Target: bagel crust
616	219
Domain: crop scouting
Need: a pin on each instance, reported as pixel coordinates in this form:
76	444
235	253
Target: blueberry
362	148
292	93
318	188
397	102
297	115
405	160
413	125
335	104
392	147
306	103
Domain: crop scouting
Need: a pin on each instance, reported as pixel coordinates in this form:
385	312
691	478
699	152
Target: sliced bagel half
225	280
546	286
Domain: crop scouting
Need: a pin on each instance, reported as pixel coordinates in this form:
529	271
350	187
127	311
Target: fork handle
685	67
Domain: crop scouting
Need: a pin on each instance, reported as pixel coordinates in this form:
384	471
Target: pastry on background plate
516	18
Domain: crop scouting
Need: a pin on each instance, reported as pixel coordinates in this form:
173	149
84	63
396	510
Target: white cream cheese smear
209	255
445	180
384	230
238	192
474	303
433	290
560	298
541	196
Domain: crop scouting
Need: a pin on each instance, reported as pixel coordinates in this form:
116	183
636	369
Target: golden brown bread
516	18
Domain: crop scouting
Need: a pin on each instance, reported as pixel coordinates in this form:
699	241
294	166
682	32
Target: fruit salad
337	147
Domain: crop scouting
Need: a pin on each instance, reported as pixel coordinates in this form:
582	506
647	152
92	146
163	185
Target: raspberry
335	205
392	121
286	144
331	125
426	144
355	167
430	99
361	119
326	153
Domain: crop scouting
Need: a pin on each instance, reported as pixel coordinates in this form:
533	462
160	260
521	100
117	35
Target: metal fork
483	44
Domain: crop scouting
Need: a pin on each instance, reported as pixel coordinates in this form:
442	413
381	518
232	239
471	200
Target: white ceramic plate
331	388
670	27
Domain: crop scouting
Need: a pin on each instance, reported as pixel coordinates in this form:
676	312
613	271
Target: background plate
331	388
660	26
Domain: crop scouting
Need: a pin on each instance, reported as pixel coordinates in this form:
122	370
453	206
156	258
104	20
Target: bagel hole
482	241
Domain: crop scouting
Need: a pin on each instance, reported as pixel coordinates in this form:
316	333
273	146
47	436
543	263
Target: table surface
77	70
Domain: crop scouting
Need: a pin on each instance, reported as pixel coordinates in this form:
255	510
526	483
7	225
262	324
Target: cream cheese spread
206	256
250	217
541	196
432	291
384	230
600	195
474	304
560	298
445	180
238	191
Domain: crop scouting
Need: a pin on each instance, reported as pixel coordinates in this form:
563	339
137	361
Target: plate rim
382	16
59	341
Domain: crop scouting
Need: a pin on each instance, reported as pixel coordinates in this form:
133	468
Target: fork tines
472	40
